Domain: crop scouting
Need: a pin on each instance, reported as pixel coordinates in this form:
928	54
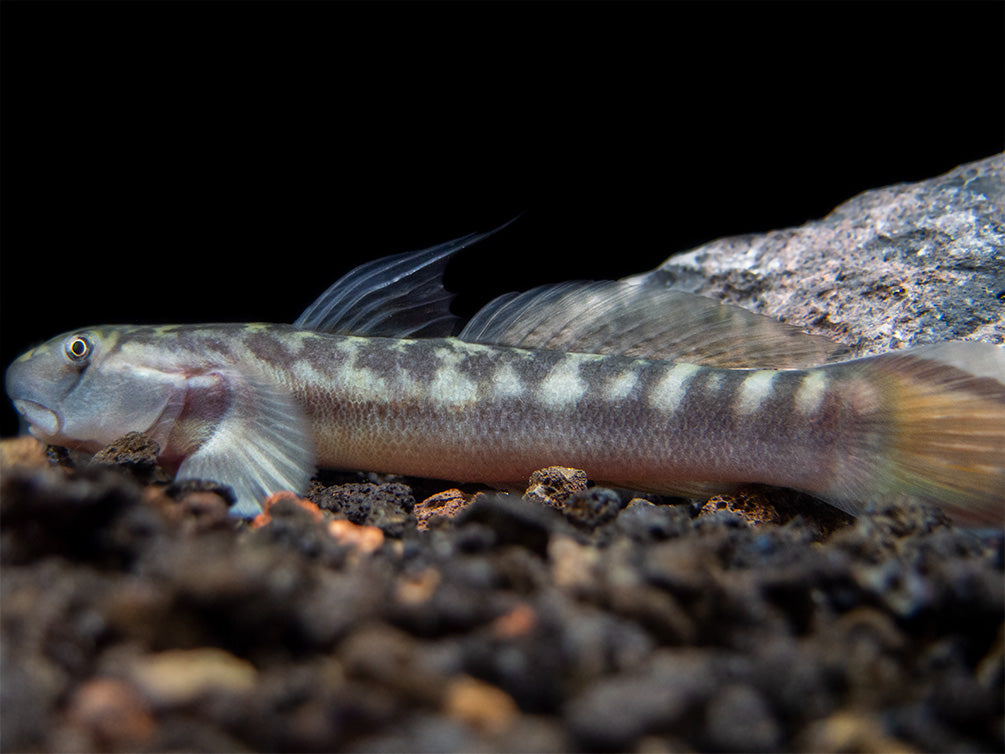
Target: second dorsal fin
646	321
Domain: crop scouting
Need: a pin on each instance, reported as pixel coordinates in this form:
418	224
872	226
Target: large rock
908	264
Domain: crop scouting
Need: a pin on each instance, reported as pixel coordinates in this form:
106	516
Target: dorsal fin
647	321
396	296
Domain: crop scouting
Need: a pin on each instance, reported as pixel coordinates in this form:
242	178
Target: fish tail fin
940	434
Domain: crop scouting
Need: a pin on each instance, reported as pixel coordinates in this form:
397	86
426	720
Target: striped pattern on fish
259	406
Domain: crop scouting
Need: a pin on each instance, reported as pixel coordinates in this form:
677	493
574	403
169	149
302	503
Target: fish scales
449	409
638	386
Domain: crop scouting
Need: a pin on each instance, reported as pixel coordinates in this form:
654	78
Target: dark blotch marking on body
268	347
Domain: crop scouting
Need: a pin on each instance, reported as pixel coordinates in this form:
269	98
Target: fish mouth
44	422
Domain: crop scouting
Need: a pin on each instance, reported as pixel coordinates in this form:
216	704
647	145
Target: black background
188	162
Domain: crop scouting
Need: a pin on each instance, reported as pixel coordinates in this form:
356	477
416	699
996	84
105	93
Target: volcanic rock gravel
400	615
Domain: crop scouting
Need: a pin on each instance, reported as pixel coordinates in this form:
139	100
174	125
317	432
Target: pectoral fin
259	444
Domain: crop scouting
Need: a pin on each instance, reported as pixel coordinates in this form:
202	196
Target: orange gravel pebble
265	517
365	539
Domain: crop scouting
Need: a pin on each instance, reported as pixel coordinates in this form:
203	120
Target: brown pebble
415	589
555	484
484	707
572	563
991	669
138	611
850	731
396	660
518	622
446	504
752	506
196	510
182	676
134	453
205	506
23	451
112	713
131	448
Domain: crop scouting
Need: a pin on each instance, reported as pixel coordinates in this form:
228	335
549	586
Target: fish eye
77	348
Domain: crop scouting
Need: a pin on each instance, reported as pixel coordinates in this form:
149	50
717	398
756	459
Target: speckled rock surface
903	265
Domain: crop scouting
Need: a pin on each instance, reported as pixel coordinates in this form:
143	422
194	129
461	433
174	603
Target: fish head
78	391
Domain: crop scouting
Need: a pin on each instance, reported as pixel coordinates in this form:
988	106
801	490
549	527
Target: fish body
576	375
